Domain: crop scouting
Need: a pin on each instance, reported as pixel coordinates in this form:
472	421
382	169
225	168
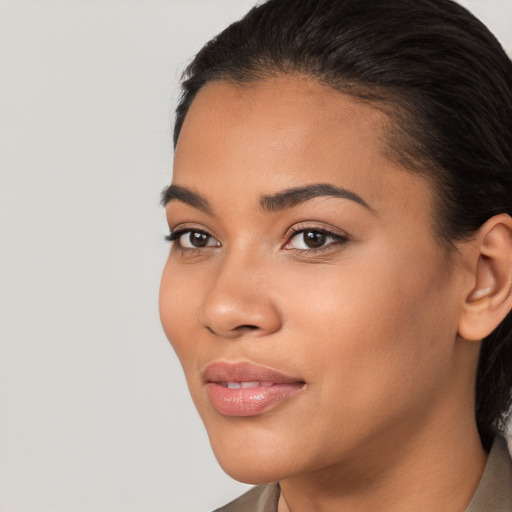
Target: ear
490	299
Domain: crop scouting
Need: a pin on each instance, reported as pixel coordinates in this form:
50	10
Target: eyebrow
288	198
296	196
185	195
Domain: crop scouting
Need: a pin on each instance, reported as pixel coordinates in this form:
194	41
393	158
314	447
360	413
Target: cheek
374	327
179	298
177	303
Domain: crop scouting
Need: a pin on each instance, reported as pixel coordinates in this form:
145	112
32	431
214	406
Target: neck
440	477
437	467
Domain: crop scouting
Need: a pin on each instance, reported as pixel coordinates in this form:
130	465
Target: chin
251	470
250	455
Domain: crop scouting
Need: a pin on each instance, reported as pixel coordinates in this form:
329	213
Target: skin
385	420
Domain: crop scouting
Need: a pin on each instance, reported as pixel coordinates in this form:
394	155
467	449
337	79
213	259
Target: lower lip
245	402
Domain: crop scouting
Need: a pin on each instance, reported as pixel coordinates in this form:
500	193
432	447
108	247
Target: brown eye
308	239
314	239
193	239
197	239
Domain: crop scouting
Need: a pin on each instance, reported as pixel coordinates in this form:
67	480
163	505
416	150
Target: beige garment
494	492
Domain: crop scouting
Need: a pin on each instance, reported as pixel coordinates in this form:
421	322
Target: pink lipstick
246	389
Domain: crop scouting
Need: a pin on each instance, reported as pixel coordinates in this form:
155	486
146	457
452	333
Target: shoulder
262	498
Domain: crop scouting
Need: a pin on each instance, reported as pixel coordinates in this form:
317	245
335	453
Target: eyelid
314	226
183	228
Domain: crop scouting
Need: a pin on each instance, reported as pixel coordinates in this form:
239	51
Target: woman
339	284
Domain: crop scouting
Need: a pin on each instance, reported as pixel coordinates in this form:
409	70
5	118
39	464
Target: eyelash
174	236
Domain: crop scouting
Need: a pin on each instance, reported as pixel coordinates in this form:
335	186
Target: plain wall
94	410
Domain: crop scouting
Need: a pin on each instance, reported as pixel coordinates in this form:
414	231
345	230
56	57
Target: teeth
253	384
248	384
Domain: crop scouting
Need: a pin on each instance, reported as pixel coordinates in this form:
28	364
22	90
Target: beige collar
494	492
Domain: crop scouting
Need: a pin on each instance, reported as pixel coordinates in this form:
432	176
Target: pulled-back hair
445	83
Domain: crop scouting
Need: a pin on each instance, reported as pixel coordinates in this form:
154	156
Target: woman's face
311	308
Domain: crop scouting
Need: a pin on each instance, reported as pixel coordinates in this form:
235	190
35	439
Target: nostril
240	329
246	327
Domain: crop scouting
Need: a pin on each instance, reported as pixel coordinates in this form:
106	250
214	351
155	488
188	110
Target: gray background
94	411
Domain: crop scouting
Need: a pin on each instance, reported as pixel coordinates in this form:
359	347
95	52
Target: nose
240	302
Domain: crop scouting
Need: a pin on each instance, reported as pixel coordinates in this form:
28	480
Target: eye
192	239
310	239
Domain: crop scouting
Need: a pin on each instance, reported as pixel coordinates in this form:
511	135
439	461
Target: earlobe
490	299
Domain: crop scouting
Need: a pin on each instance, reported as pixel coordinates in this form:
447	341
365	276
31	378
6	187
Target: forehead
284	132
294	111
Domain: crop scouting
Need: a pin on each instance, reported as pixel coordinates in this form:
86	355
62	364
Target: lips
245	389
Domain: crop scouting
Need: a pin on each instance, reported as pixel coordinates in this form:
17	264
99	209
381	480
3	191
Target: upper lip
222	371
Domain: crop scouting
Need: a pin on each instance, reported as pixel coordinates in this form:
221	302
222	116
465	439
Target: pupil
314	239
198	239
